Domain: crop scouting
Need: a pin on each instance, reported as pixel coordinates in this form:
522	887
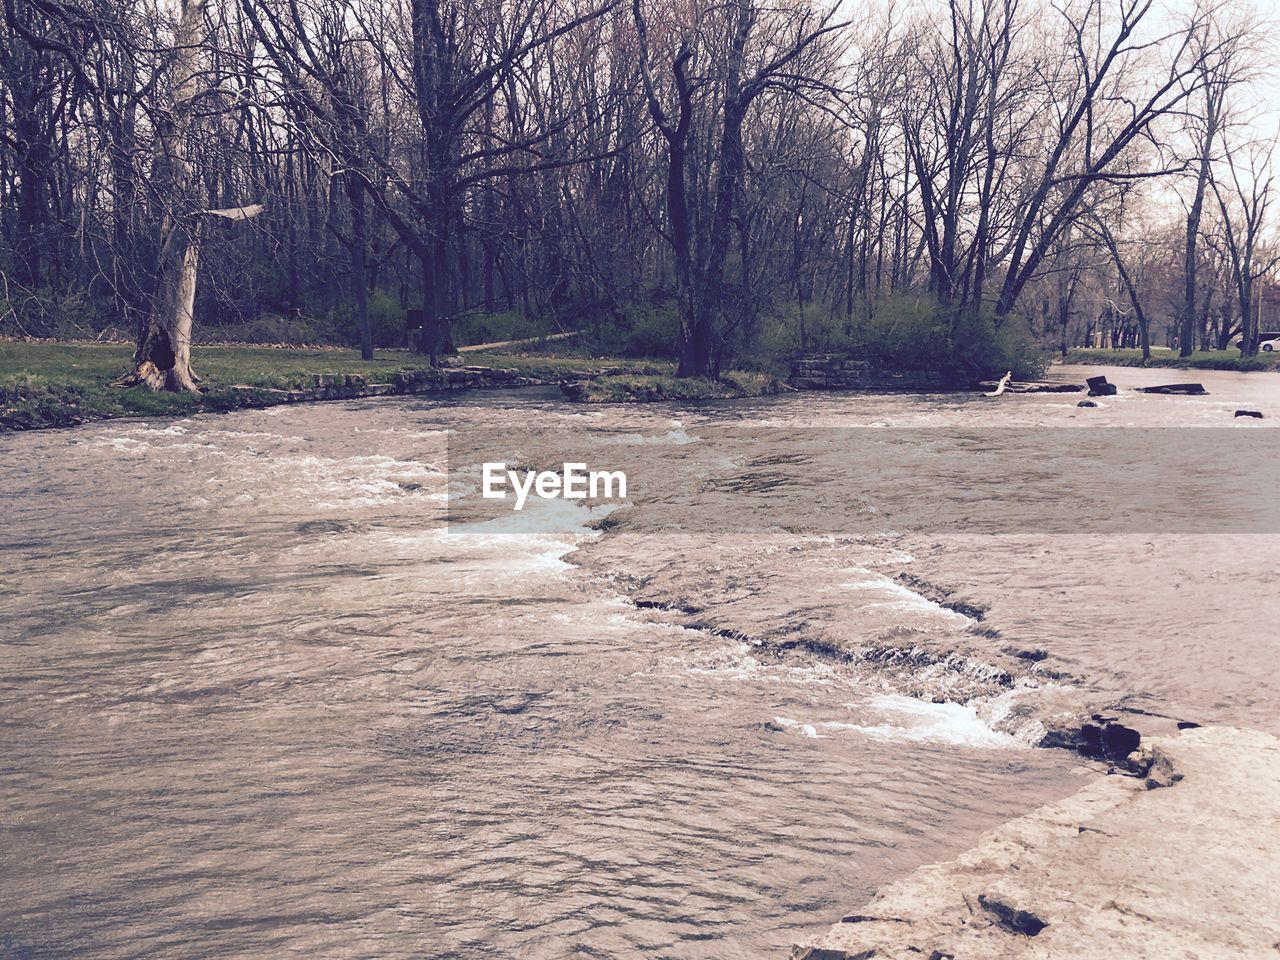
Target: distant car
1268	340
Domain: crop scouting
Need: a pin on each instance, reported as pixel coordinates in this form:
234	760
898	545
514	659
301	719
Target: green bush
496	327
648	330
780	334
914	333
273	329
53	315
386	322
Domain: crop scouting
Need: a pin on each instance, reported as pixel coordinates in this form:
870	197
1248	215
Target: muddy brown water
259	700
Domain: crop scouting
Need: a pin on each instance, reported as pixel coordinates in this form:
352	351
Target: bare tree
1243	202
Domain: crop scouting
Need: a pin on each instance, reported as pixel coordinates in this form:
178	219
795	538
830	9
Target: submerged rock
1190	389
1256	414
1101	387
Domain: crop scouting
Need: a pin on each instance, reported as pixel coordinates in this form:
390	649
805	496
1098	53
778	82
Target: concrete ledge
1181	862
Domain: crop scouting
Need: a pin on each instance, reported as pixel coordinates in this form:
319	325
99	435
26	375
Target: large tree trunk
33	168
162	360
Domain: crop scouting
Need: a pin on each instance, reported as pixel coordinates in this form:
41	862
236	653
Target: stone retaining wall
352	386
829	372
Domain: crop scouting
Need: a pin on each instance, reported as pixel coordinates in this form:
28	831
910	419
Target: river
263	696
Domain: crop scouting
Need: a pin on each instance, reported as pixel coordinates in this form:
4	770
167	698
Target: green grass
46	384
1200	360
96	364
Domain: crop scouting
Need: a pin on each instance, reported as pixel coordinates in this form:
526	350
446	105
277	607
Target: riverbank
1200	360
650	388
44	384
1179	861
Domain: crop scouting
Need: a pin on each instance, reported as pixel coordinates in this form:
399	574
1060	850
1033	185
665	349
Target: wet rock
820	953
1156	765
1011	918
1086	403
575	390
1034	656
1105	739
1101	387
942	596
863	918
1256	414
1188	389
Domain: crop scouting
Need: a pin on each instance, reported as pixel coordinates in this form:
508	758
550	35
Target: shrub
647	330
274	329
495	327
914	333
386	322
53	315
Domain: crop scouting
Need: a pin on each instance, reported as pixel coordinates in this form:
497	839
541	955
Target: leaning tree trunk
162	359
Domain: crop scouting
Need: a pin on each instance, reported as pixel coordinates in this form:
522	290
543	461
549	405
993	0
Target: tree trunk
359	262
162	360
1187	331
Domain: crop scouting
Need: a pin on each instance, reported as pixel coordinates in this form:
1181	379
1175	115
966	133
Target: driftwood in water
1000	387
1020	387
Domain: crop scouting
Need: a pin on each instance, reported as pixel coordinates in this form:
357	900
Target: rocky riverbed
1179	861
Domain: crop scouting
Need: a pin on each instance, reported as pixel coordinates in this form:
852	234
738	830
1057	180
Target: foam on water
900	598
916	721
676	436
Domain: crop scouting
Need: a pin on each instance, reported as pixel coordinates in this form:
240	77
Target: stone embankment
830	372
1182	860
351	387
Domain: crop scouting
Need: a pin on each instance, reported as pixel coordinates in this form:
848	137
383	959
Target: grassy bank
46	384
1200	360
642	388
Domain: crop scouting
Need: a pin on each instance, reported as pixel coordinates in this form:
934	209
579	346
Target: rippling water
258	699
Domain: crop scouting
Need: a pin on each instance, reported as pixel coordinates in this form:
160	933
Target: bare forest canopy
925	182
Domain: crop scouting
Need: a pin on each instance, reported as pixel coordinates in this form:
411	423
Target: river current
261	698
